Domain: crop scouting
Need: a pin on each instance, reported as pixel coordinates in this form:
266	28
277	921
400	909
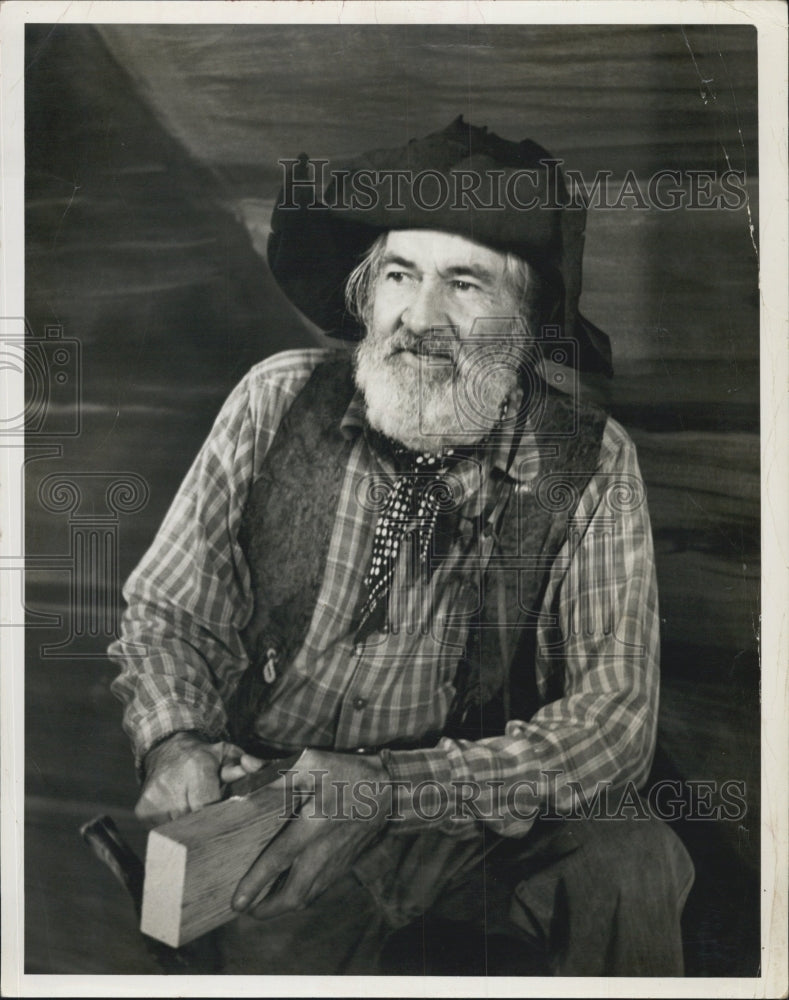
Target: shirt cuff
154	728
424	792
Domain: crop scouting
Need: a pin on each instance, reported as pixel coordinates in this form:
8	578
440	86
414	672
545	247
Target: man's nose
426	309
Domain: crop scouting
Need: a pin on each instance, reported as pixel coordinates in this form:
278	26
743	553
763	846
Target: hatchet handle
106	842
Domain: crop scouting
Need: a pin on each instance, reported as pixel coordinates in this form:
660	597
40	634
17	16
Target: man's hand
185	773
346	800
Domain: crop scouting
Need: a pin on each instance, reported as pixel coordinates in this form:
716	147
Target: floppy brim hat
509	196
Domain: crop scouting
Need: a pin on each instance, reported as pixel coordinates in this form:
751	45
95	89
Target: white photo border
770	19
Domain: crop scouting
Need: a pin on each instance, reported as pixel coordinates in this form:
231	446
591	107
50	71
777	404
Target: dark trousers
574	897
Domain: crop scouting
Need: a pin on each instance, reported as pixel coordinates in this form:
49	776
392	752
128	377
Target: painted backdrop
151	165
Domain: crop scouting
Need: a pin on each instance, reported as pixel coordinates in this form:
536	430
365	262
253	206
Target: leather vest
287	524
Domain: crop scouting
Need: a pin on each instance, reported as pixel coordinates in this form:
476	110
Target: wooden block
193	864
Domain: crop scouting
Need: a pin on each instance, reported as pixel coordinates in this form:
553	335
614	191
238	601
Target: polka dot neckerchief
413	504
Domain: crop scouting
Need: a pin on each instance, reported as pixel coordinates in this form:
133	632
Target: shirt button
358	648
359	703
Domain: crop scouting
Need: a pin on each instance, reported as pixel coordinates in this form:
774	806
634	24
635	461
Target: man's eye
398	277
462	286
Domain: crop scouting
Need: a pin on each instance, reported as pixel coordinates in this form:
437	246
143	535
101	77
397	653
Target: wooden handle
106	842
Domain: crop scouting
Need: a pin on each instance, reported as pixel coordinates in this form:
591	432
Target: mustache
444	344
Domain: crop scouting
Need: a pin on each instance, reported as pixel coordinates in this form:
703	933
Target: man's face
443	343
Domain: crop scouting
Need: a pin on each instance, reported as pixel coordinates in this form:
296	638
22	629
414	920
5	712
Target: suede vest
287	525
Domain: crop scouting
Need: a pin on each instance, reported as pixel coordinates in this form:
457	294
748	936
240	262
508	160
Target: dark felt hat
509	196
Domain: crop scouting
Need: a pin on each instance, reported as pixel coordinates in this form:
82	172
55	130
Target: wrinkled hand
322	842
185	773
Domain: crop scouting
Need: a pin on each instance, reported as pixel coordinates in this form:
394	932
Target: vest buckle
270	666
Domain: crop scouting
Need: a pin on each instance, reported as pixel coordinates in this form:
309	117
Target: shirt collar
525	465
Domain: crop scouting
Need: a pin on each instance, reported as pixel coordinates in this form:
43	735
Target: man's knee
633	864
609	902
635	858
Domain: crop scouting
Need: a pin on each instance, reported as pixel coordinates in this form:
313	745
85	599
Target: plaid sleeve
180	650
603	651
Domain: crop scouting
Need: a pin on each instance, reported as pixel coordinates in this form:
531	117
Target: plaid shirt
189	599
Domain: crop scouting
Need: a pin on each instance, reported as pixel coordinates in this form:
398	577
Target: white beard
437	405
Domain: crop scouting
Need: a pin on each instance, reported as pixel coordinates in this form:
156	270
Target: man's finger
276	858
231	773
228	751
258	881
234	770
271	863
251	764
231	753
306	881
280	900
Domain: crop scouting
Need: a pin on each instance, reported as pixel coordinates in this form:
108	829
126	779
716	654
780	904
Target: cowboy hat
509	196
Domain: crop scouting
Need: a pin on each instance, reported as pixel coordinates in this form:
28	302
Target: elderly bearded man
431	571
